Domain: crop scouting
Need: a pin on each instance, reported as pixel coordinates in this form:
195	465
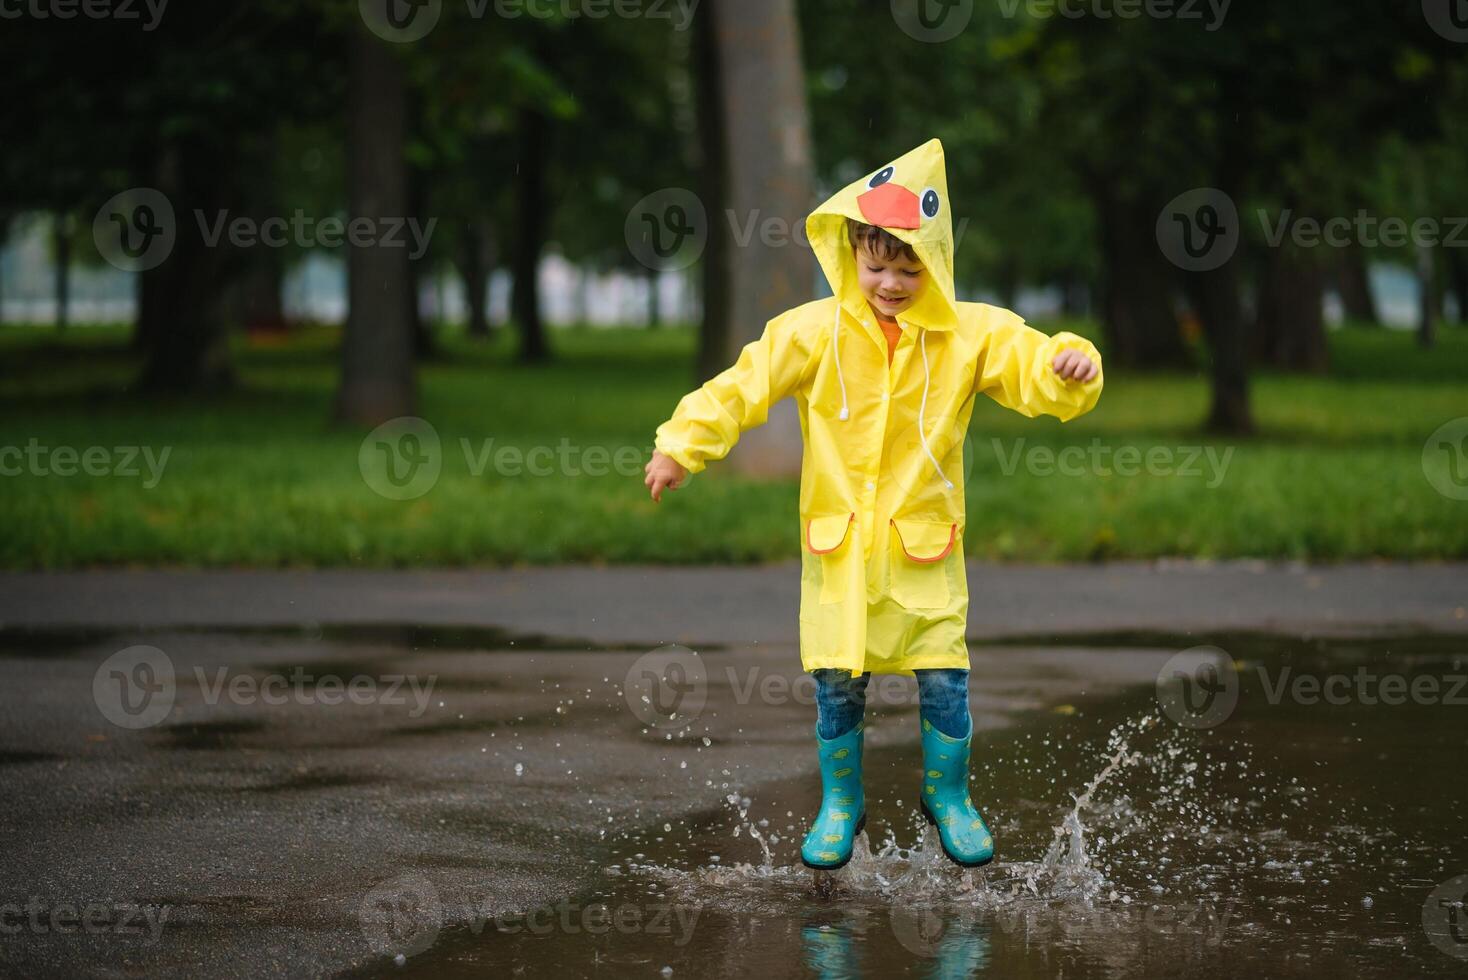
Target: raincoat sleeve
709	421
1014	370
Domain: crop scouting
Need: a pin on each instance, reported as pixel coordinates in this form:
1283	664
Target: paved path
649	605
255	833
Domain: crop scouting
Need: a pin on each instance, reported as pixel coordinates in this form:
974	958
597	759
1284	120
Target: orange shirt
894	334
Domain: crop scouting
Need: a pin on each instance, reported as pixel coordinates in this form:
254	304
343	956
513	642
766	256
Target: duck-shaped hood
909	198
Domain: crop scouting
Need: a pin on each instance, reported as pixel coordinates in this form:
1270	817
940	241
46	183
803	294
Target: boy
884	374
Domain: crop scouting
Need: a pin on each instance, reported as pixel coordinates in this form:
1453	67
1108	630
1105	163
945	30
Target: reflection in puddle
1289	842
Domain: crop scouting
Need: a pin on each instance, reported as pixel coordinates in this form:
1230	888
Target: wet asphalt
331	739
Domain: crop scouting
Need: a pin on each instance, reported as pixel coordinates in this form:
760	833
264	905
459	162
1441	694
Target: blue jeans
841	700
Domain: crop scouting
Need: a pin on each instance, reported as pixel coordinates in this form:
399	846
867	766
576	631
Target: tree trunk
258	294
4	240
1290	322
1215	297
474	266
653	280
1008	283
1137	281
1353	283
1429	300
529	236
1074	301
713	170
181	328
61	247
377	376
1458	280
420	269
767	134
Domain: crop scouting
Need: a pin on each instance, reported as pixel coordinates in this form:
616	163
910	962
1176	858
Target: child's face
890	286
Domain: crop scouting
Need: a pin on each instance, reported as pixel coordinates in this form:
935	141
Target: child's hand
663	471
1073	364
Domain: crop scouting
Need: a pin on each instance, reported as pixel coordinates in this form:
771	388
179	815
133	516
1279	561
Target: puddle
43	641
1296	838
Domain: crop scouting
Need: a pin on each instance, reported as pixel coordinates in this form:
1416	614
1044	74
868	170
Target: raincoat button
871	485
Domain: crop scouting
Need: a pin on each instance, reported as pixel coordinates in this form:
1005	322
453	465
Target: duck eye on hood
931	203
881	177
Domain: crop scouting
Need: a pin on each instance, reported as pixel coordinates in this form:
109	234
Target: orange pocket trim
952	537
826	551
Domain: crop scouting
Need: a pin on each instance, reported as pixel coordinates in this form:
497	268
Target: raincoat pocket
919	572
827	537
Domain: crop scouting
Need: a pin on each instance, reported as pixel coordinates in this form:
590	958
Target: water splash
1066	871
890	872
741	805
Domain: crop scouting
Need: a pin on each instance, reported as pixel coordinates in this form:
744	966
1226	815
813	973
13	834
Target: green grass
258	477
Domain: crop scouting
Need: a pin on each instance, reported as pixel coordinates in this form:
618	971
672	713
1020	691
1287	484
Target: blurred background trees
527	140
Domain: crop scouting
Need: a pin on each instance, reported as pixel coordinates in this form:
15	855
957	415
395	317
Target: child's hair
879	241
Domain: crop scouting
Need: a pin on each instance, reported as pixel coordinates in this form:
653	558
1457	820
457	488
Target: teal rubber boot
946	802
843	803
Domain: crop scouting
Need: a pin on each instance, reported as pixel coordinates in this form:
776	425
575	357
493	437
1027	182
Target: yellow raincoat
883	587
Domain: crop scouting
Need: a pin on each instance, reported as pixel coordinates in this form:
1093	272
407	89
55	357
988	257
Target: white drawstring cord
836	333
922	406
